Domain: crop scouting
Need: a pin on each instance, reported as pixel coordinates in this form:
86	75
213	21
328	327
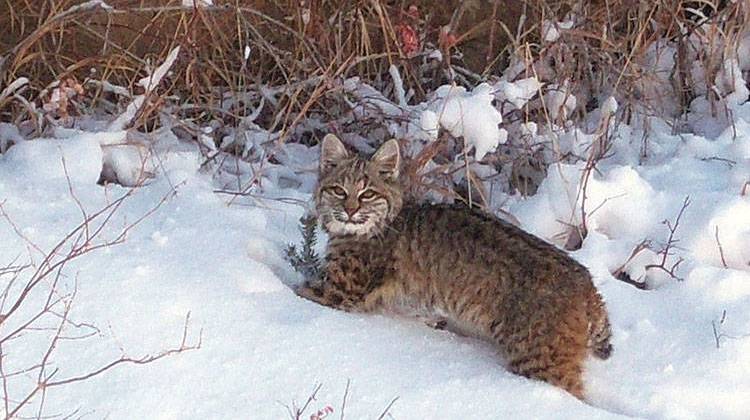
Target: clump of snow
551	29
731	83
370	98
554	202
622	205
470	115
520	91
148	83
48	159
529	129
609	106
398	85
435	55
430	123
9	135
197	3
127	165
709	116
559	101
725	238
13	87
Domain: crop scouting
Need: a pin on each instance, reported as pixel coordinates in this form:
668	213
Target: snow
470	115
398	84
520	91
559	101
197	3
9	135
87	5
148	83
609	107
730	81
48	159
435	55
682	348
731	219
13	87
551	29
263	347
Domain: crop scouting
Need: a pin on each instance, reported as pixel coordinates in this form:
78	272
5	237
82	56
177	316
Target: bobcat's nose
351	207
350	210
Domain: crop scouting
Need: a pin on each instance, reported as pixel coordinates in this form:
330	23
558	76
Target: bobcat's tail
599	330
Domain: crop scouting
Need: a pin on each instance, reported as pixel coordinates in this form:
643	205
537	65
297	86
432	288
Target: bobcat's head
357	196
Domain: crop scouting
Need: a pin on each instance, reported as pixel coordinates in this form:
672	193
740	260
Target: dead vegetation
307	410
278	70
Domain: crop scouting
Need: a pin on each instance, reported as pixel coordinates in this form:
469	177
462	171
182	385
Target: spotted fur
473	272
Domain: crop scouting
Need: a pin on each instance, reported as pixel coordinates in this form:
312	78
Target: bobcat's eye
337	192
367	195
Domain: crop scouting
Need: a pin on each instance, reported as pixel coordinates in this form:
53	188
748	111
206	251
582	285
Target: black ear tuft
332	151
388	159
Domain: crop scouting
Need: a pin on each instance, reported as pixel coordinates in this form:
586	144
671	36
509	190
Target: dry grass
300	51
299	46
293	42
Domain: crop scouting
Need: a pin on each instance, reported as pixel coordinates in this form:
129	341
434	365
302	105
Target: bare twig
717	334
343	401
671	243
620	274
721	249
296	413
183	347
387	409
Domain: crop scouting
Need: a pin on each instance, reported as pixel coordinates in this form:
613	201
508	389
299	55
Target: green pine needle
305	261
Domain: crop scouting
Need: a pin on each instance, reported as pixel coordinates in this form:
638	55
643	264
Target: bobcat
479	274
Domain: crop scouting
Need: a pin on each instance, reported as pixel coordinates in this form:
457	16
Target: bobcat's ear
388	159
332	151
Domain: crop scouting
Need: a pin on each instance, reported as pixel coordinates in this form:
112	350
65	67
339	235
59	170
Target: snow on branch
149	84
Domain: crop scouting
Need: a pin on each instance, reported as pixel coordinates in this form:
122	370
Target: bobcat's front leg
330	294
345	285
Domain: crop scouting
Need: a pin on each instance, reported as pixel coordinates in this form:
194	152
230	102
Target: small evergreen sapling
305	261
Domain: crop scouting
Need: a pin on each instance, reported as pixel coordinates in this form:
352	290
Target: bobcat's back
479	271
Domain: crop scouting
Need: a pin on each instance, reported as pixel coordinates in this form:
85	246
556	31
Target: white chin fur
336	227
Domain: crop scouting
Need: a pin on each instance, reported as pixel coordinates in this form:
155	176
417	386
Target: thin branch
620	274
671	243
387	409
4	379
721	249
717	334
183	347
343	401
297	414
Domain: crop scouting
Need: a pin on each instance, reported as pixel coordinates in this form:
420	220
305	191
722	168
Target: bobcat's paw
308	291
434	321
440	324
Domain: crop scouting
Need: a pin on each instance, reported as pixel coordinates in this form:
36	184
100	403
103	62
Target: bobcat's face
355	196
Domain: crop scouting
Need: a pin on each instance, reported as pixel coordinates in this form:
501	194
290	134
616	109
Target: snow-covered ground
263	348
